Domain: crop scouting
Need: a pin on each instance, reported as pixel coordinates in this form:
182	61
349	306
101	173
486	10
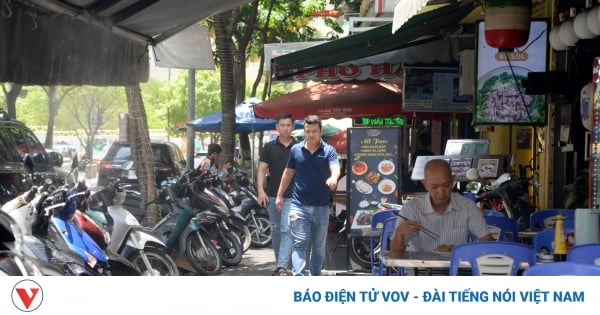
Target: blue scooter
57	210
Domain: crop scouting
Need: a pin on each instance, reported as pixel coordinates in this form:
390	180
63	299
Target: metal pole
191	113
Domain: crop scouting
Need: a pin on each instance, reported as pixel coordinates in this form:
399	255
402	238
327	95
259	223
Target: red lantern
507	23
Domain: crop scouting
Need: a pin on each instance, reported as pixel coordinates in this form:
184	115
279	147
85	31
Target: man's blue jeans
281	239
308	223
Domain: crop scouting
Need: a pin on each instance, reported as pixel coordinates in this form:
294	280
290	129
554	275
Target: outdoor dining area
547	248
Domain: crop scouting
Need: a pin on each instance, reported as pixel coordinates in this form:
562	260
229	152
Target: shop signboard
500	93
434	89
373	173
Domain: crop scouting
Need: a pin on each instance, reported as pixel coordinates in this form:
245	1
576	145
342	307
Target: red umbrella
342	99
353	99
339	141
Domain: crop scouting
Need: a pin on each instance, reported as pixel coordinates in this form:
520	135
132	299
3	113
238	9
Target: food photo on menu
374	182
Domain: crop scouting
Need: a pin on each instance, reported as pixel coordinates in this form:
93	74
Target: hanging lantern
582	29
555	41
566	33
593	20
507	23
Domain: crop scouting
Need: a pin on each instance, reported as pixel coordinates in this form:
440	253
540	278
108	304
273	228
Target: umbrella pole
252	156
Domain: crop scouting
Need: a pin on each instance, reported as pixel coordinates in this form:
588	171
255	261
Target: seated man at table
448	214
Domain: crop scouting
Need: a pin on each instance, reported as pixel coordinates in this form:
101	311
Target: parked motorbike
508	196
187	241
256	217
133	198
235	220
121	233
13	261
35	244
57	210
213	214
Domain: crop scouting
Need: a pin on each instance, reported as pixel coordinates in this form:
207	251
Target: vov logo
27	295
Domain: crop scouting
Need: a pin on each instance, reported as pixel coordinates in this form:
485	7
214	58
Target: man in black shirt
273	159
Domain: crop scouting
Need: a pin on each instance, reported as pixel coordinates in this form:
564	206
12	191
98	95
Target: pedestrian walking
314	167
272	162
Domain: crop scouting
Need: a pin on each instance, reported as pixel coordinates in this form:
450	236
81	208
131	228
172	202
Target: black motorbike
257	217
509	196
235	220
213	214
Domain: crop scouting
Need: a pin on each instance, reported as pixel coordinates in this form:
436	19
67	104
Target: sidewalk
261	261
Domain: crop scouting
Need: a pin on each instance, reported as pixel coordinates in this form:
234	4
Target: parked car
16	142
168	161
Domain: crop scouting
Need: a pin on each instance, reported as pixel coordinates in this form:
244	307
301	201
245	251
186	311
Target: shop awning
93	42
432	24
343	99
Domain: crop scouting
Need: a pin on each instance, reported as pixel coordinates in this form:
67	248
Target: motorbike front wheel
162	264
242	231
360	251
230	248
260	229
202	254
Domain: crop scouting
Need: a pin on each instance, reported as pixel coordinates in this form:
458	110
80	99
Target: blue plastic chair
503	228
493	213
491	258
377	221
544	241
386	234
544	219
585	254
563	268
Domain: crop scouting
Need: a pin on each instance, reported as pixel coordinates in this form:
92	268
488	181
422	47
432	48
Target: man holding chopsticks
440	218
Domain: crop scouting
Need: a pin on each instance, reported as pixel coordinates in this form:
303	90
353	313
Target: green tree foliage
89	109
156	96
32	109
166	102
240	35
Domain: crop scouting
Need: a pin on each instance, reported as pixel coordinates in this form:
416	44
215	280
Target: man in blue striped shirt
449	214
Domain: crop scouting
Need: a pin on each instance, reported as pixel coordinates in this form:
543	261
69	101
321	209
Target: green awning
372	42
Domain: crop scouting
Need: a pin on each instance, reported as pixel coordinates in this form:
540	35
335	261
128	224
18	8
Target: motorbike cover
80	242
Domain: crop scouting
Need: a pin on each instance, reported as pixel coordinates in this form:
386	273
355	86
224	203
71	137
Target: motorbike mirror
472	174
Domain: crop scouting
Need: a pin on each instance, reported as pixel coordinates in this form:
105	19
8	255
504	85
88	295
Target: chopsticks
425	230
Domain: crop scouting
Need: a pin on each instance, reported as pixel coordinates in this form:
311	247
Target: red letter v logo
26	298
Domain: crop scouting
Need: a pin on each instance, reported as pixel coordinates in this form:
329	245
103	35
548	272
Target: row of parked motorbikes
207	222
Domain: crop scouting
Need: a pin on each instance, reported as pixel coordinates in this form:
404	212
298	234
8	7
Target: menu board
500	95
373	175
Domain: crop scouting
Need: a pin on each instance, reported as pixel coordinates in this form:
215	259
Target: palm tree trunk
228	88
141	152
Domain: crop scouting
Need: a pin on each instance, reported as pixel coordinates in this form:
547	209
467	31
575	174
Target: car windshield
122	153
160	154
25	144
